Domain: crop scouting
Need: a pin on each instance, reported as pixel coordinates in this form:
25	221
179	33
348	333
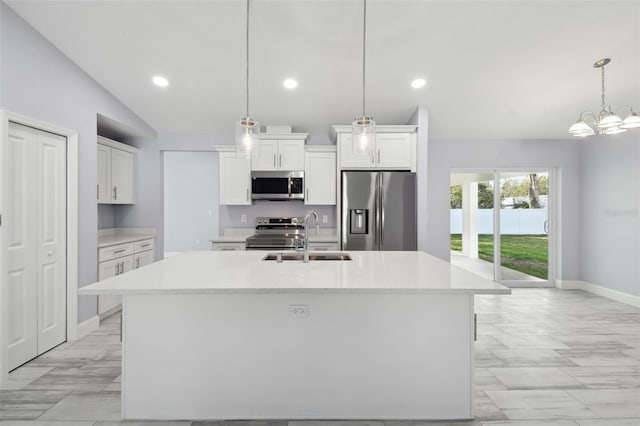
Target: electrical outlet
298	311
243	218
325	218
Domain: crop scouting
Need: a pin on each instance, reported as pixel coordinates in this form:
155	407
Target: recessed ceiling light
160	81
290	83
418	83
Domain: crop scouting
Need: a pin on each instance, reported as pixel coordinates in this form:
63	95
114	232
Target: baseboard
609	293
87	326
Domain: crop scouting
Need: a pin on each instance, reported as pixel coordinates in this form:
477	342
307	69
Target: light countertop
245	272
113	236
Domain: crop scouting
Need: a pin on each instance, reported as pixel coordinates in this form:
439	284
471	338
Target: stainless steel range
277	233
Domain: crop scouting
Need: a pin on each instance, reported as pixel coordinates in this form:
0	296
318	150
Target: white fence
512	221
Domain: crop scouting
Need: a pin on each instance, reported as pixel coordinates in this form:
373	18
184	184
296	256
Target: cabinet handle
145	245
121	267
373	158
115	192
307	196
137	262
98	192
280	159
247	194
227	249
274	161
119	251
117	268
378	155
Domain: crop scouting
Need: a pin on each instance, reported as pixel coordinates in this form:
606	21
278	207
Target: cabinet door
320	178
122	179
104	174
143	258
106	270
350	160
393	150
291	155
267	158
234	179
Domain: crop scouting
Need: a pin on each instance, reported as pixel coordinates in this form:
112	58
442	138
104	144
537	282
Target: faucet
305	257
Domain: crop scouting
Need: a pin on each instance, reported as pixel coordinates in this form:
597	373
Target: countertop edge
93	292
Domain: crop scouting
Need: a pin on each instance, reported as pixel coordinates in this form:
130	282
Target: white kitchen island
226	335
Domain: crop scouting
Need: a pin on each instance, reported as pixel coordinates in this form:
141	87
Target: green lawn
524	253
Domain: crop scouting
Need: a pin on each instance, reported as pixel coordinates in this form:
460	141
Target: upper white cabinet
116	172
280	152
320	177
394	148
234	179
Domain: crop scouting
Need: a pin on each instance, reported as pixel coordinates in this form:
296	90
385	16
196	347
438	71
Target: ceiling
494	69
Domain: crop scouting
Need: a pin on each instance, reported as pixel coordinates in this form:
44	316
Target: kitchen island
227	335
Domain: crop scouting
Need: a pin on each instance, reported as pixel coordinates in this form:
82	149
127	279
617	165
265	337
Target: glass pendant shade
364	134
580	128
613	131
247	137
608	119
631	122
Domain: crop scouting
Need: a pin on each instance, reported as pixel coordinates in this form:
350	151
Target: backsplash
230	216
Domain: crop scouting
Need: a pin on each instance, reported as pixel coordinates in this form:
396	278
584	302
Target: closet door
20	218
35	242
51	240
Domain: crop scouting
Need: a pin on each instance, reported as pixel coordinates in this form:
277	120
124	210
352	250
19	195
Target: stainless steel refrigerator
379	211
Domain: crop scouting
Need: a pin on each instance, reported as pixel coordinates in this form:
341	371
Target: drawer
112	252
323	246
228	246
143	245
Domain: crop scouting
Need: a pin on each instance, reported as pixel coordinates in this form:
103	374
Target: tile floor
544	357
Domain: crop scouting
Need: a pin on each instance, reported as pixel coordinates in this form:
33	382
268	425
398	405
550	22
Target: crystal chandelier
247	129
363	128
607	122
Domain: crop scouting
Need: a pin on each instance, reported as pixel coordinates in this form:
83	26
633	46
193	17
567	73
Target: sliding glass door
500	224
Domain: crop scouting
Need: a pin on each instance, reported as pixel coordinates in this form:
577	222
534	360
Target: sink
312	256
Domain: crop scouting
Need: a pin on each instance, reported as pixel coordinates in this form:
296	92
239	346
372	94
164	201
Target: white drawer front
228	246
323	246
112	252
143	245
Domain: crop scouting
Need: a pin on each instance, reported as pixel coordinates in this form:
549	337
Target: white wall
39	81
190	200
421	118
610	228
445	155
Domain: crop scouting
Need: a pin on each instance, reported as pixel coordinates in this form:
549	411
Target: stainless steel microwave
277	185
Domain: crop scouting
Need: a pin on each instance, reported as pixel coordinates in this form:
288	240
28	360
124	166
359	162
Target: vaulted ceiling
494	69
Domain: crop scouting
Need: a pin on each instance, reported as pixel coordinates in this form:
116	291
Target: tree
456	197
485	196
533	191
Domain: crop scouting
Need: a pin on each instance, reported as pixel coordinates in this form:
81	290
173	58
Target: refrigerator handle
381	189
375	213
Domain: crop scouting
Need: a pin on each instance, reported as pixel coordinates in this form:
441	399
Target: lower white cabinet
227	246
118	259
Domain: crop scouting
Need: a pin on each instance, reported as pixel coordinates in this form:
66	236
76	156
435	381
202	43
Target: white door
320	178
35	242
51	240
350	159
104	174
267	158
393	150
291	155
235	178
108	269
143	258
122	179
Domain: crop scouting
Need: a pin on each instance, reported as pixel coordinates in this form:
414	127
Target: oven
277	233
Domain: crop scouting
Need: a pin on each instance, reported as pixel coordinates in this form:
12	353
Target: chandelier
363	128
247	129
607	122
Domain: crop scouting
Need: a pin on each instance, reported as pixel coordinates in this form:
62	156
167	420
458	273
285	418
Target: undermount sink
312	256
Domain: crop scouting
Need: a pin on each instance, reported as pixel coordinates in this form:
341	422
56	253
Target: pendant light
363	128
247	129
607	122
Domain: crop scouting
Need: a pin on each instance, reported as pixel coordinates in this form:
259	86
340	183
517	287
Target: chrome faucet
305	257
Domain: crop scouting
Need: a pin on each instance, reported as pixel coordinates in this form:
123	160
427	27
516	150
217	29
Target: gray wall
190	200
610	226
444	155
39	81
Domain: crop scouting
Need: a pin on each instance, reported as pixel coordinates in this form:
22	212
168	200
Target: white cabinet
394	147
116	172
390	151
234	179
217	246
317	246
275	154
320	178
118	259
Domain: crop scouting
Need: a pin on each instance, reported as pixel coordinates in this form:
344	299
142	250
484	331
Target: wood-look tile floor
544	357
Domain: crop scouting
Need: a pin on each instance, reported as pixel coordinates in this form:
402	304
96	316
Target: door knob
50	253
